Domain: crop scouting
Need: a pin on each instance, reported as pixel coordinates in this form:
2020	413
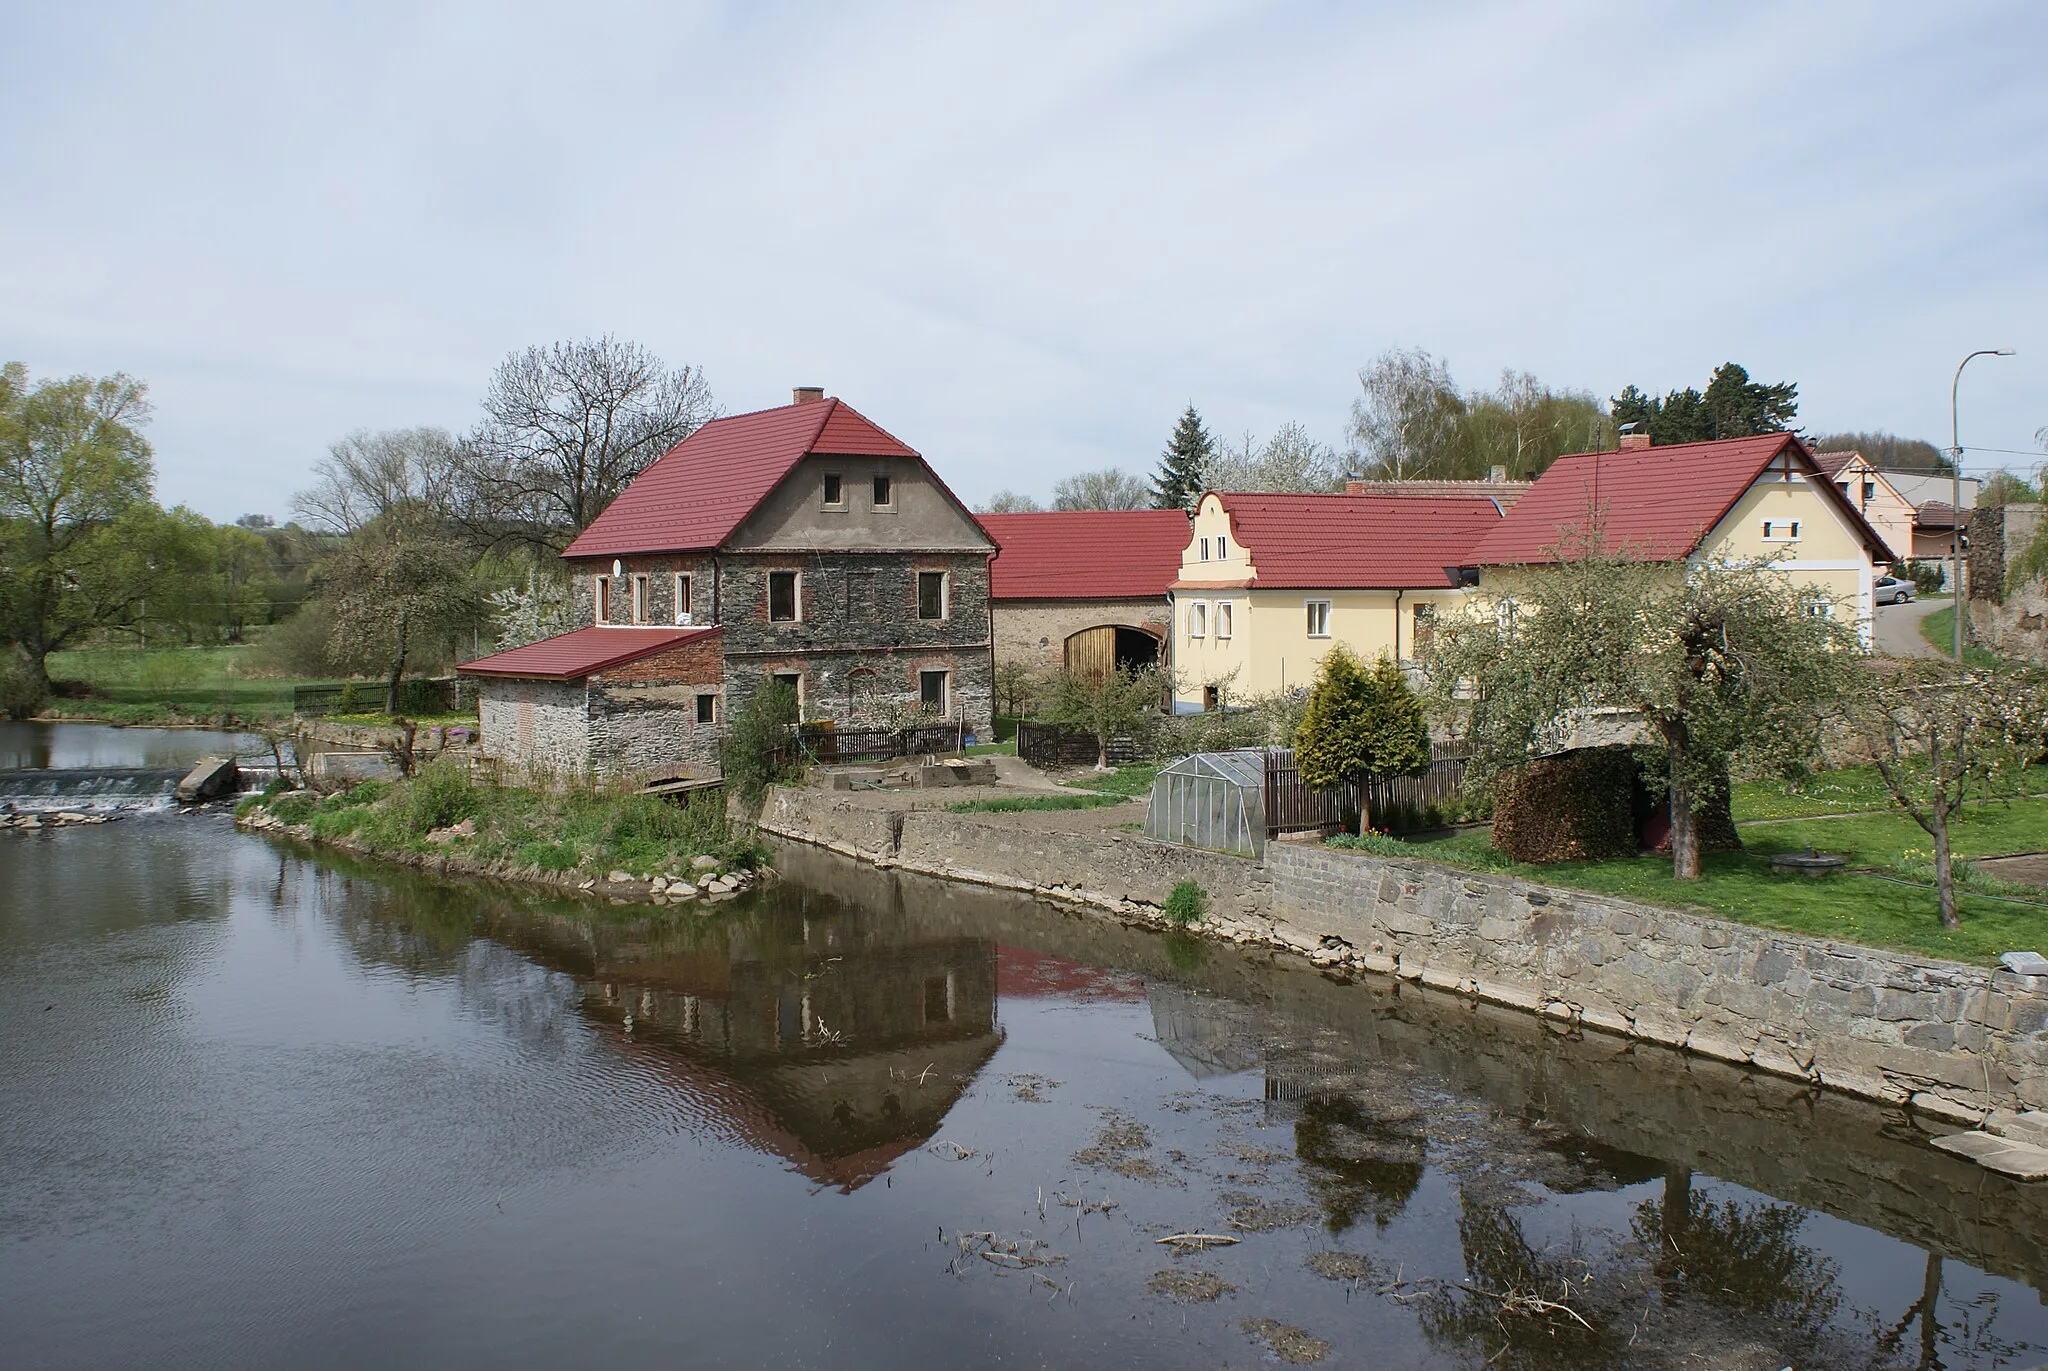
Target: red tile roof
572	656
1833	462
1364	542
1659	502
1086	554
699	491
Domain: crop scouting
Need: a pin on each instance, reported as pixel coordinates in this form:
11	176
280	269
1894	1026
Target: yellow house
1882	504
1739	499
1269	582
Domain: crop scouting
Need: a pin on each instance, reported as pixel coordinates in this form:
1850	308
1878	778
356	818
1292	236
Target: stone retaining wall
1949	1039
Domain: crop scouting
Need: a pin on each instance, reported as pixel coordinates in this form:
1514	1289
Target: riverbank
1948	1039
618	845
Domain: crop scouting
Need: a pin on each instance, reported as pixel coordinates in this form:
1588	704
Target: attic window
835	492
1781	530
885	495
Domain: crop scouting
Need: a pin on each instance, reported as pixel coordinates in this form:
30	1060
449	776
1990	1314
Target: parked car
1891	590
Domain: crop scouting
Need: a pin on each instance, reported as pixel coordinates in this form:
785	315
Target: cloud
1020	238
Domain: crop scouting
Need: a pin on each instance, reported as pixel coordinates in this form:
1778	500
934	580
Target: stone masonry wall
1035	632
2008	612
1948	1039
643	714
661	588
529	723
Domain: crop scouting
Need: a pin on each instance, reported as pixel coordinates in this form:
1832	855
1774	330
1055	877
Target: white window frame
831	503
601	599
1313	618
683	586
889	503
1205	549
945	595
696	706
1791	537
945	689
1198	618
642	592
1222	547
1224	615
796	595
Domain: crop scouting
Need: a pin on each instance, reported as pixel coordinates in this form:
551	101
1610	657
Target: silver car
1890	590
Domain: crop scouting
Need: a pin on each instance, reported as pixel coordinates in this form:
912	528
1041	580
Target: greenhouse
1214	800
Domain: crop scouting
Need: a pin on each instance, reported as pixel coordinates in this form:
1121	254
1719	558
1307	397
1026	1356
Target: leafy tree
1184	467
1290	462
1010	502
1109	488
1717	660
1360	722
1940	734
566	427
76	518
526	614
1412	421
395	587
1107	705
1016	686
759	735
1732	406
1523	426
1405	423
1887	451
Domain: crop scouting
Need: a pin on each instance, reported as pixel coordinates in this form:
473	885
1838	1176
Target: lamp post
1955	506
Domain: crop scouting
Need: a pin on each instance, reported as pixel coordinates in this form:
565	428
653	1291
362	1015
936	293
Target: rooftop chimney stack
1498	474
1634	437
807	395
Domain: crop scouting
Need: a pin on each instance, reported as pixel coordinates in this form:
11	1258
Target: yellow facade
1236	639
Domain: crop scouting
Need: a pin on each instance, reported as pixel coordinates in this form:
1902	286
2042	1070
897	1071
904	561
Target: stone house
823	551
1084	589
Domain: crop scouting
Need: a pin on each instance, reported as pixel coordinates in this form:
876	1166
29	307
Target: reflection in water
267	1108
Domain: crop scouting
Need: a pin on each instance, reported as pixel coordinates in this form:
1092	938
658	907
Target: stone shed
1084	588
612	701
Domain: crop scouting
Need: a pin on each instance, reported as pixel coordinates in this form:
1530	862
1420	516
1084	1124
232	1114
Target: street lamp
1955	506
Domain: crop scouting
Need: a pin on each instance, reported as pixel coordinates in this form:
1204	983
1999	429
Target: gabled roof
1086	554
1659	503
1362	542
1833	462
572	656
695	494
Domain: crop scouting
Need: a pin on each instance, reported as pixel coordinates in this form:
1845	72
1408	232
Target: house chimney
806	395
1498	474
1634	437
1354	486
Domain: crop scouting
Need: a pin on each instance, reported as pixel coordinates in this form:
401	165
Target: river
266	1107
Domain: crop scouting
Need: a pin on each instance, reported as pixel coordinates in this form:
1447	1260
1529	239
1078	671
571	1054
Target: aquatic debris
1288	1343
1334	1265
1190	1287
1199	1240
1116	1146
1015	1254
1086	1206
952	1149
1262	1217
1030	1084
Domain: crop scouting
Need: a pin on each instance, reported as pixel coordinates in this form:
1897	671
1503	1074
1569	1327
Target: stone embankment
1948	1040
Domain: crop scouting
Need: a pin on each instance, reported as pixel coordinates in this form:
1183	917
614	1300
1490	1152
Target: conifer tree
1184	466
1360	722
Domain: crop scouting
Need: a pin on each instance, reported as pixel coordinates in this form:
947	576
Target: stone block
1933	1037
2021	1161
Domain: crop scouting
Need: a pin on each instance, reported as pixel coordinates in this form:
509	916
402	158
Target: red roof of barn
1659	502
1357	541
571	656
1086	554
699	491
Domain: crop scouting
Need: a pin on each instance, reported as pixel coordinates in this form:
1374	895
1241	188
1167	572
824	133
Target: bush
1186	903
1926	576
758	736
22	692
442	794
1578	806
294	809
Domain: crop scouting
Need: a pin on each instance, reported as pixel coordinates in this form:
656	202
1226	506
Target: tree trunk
397	673
1944	869
1675	1221
1364	808
1102	752
1685	831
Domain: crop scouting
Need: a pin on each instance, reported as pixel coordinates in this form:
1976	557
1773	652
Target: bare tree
1289	462
1010	502
369	476
1406	421
1109	488
568	425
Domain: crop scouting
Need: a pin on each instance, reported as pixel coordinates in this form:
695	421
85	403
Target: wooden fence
1396	803
879	744
418	695
1050	745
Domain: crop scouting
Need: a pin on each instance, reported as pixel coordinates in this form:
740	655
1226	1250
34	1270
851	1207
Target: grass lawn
1939	629
1860	908
1847	791
1131	780
1027	803
137	686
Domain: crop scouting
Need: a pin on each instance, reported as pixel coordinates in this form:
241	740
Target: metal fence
1396	803
880	744
1051	745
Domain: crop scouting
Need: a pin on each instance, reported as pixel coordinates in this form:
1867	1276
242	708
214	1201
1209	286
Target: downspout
1399	591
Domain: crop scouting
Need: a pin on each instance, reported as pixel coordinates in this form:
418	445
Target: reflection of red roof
571	656
1357	541
1658	503
1023	973
1086	554
699	491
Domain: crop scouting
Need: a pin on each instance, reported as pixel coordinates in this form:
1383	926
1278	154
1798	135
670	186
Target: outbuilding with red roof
1084	589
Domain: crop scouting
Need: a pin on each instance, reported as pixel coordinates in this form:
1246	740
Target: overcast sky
1020	237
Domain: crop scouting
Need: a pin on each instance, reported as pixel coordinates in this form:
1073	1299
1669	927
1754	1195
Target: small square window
1223	618
782	597
931	691
885	493
707	709
683	599
1198	619
931	594
835	494
1318	618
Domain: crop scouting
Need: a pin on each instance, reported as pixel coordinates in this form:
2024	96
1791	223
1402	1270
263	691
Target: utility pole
1955	507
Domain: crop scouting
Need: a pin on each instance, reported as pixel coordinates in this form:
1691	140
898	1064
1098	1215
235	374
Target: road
1898	629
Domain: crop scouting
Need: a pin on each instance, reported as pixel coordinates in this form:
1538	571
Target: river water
262	1107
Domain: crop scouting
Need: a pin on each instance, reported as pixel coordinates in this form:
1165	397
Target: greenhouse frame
1213	800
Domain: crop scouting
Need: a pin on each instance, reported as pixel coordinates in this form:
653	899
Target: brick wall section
1035	632
1946	1038
643	714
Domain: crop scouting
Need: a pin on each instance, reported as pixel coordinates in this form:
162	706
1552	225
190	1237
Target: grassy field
1888	902
1130	780
1847	791
1939	629
170	685
1021	804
